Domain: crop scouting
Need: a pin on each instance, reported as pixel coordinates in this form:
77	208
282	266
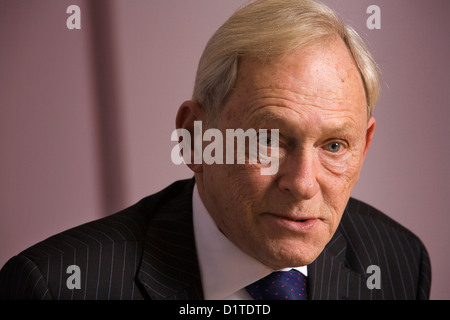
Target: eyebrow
264	117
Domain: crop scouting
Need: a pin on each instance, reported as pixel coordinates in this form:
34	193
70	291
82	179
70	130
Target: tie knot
280	285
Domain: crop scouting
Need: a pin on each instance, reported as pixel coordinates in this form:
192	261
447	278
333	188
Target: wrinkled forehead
324	74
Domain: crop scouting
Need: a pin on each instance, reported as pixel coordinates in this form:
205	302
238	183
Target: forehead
321	78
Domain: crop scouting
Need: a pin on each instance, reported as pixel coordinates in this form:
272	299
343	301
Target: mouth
300	220
296	224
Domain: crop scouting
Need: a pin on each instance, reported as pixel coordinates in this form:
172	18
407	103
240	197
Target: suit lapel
332	277
169	268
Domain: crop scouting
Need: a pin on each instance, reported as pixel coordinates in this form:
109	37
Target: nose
298	176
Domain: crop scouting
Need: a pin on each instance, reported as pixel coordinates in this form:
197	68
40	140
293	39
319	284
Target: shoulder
41	271
126	226
104	249
361	220
374	239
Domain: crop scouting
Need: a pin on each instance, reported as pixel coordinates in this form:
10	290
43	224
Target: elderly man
232	232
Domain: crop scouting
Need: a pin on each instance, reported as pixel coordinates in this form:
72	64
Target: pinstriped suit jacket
148	252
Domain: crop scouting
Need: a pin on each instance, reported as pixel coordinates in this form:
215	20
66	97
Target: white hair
268	29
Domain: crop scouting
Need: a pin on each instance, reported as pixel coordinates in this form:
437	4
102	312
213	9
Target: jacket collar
335	274
324	269
169	268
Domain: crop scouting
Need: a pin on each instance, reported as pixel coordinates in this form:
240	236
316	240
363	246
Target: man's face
315	98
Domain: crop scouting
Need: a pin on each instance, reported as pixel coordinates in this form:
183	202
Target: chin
284	254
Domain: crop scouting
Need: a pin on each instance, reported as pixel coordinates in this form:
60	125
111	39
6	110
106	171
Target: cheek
234	191
336	189
337	185
249	189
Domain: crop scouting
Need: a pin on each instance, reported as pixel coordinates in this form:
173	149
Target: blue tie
280	285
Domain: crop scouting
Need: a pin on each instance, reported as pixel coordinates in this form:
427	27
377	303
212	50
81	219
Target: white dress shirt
225	269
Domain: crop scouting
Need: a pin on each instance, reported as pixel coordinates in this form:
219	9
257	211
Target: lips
292	217
292	223
300	220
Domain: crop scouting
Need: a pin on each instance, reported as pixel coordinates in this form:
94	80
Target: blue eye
267	142
334	147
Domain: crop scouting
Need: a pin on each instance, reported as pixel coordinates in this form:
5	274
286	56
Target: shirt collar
224	268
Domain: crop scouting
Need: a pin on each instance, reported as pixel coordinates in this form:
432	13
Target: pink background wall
86	115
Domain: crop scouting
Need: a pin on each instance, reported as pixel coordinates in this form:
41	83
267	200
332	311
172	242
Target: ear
189	112
369	135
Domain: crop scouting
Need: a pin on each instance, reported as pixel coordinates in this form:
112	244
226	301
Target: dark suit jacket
148	252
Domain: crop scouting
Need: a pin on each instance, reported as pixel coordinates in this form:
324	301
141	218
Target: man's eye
334	147
266	141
